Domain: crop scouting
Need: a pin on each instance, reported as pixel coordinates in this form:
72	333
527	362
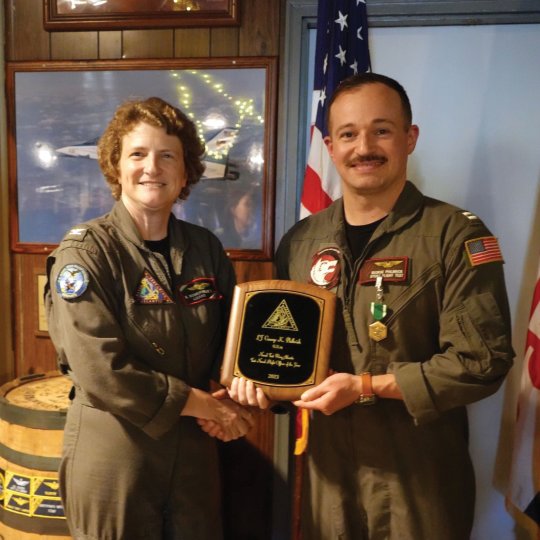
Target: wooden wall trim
267	62
6	315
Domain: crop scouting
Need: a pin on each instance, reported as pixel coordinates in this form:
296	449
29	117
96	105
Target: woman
137	309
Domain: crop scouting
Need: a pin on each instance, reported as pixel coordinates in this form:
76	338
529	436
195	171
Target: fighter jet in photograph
217	163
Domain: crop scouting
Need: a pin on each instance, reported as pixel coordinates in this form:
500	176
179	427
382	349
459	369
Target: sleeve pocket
481	336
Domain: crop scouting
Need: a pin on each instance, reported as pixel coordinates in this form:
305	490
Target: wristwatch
367	397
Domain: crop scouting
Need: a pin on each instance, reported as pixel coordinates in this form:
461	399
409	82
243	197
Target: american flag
483	250
523	497
341	51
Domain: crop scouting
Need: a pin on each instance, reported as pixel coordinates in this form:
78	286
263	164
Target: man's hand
246	393
341	389
337	391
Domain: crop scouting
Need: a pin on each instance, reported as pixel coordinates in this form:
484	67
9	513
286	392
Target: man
422	329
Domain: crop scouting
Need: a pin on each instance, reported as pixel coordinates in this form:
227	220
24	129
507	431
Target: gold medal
377	331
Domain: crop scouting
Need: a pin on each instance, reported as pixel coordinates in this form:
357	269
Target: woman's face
151	169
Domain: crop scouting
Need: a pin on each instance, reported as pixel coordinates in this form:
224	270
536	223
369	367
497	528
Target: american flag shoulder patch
483	250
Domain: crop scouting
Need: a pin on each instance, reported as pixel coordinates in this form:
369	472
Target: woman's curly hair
158	113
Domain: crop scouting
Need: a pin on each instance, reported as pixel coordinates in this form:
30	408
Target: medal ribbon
377	330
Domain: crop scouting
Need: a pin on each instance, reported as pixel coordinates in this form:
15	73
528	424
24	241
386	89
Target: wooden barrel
32	418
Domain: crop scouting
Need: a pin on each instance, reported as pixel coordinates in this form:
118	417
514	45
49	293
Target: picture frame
76	15
58	110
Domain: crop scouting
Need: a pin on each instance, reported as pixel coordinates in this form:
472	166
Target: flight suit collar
409	203
178	241
125	224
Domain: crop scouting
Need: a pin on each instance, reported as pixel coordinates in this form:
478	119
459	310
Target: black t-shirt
163	247
359	236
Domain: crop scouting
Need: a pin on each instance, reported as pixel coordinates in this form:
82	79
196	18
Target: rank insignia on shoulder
483	250
470	216
150	291
77	233
325	268
389	269
72	281
199	290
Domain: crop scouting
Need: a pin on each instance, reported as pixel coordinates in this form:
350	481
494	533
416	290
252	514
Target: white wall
475	93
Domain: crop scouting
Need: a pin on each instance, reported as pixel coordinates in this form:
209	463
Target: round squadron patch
72	281
326	268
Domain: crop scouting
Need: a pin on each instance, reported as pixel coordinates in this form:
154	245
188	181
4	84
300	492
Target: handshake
232	411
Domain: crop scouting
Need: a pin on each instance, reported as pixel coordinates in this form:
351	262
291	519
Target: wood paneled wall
247	464
258	35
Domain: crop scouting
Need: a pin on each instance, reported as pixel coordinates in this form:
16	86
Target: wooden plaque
280	337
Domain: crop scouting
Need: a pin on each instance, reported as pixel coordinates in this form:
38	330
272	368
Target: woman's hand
245	393
228	419
213	428
233	420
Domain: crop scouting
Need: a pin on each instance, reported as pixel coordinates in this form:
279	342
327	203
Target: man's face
368	140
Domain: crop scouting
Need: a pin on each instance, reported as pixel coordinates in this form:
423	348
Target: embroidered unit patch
17	503
326	268
45	487
483	250
72	281
390	269
151	292
31	496
18	483
199	290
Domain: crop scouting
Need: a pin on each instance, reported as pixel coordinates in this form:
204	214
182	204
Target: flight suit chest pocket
151	312
202	321
157	322
416	293
200	307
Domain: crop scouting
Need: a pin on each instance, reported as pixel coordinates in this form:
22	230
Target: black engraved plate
280	338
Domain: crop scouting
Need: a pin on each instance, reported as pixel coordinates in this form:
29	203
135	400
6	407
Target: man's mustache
368	157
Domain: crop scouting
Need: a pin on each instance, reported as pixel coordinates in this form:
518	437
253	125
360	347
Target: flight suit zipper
348	295
158	348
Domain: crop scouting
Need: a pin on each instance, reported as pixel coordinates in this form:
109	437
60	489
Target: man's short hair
350	84
158	113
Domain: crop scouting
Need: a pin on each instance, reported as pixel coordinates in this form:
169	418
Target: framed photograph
73	15
57	111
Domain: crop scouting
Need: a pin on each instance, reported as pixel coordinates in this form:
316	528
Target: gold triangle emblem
281	319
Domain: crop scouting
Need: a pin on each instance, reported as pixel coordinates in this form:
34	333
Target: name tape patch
199	290
326	268
390	269
483	250
72	281
150	291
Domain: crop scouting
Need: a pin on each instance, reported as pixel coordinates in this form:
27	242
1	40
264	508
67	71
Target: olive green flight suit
132	468
401	469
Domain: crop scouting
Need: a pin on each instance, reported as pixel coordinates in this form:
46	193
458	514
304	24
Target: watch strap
367	397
